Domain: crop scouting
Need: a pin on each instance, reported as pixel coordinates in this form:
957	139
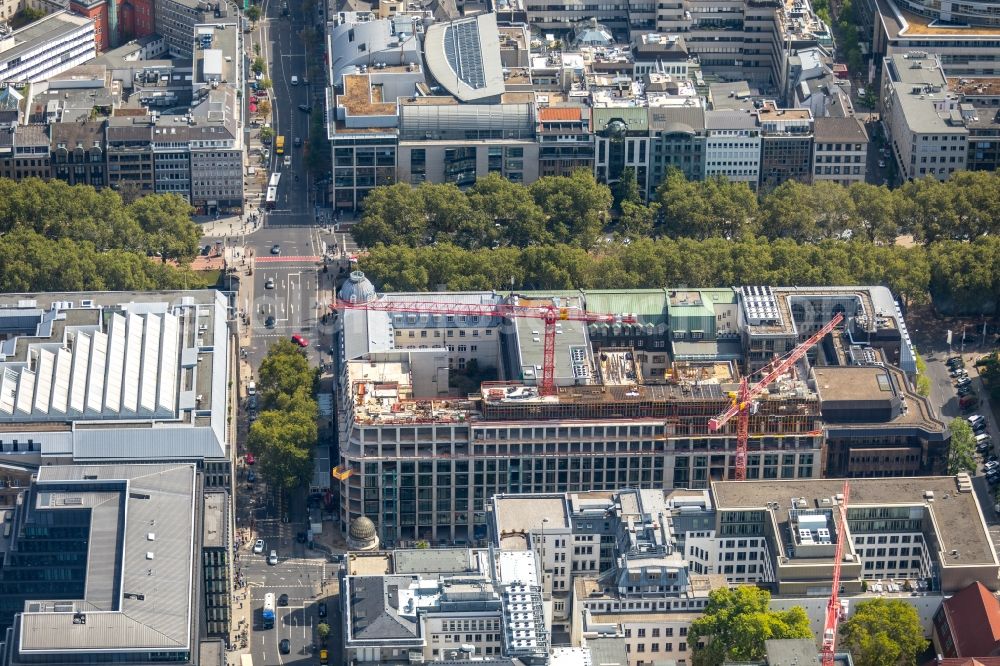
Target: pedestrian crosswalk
279	259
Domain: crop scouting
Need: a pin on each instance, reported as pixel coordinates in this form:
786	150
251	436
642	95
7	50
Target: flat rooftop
861	382
362	98
50	29
142	532
956	515
972	87
530	513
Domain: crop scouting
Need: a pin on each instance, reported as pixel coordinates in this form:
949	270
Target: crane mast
833	609
746	394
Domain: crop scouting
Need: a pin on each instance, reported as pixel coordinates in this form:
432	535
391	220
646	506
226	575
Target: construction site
583	400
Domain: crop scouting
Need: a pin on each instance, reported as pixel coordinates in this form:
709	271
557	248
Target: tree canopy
57	237
962	451
736	623
883	632
284	435
964	274
710	233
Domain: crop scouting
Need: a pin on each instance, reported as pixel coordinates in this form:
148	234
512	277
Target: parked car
964	390
258	547
252	402
965	381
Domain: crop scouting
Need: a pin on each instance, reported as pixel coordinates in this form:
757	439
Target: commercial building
101	377
840	151
968	624
443	605
565	142
640	564
786	145
102	563
50	45
78	154
117	21
176	20
922	118
732	146
632	401
24	152
130	153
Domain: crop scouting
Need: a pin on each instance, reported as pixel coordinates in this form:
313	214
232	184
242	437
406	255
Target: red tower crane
833	610
746	394
548	313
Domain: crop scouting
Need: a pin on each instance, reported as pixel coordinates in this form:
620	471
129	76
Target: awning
253	108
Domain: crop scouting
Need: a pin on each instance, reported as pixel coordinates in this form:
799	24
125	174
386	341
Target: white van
295	80
985	437
251	388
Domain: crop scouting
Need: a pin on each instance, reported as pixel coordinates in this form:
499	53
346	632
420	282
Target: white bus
271	199
275	177
267	615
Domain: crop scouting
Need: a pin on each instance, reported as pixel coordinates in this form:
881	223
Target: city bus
279	144
246	660
275	179
267	615
271	199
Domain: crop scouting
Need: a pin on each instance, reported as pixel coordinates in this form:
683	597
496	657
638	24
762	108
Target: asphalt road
302	580
285	55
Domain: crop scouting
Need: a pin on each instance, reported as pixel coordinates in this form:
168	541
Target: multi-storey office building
421	461
78	153
565	142
840	152
786	145
922	118
116	377
47	47
443	605
101	565
732	146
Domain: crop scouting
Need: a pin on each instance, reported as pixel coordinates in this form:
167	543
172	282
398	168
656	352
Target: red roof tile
974	616
558	113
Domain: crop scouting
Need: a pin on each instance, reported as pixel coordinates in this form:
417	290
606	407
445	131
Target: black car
252	402
269	322
285	646
283	600
305	107
275	249
980	427
205	250
321	609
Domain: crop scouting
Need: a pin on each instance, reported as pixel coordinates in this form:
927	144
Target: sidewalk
229	226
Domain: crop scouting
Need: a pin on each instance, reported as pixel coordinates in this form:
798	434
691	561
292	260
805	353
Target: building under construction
438	411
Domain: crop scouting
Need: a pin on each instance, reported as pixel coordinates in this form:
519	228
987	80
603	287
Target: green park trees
736	623
962	453
57	237
498	233
883	632
284	435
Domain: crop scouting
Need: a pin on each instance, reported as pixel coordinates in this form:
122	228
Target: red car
300	341
250	459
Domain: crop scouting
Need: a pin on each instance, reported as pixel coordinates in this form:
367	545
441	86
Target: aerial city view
500	332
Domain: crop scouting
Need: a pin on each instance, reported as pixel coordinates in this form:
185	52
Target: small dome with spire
357	289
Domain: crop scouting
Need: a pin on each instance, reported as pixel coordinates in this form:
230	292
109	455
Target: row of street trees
57	237
959	276
738	621
284	436
574	210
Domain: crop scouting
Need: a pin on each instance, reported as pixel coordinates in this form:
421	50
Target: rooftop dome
362	528
357	289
